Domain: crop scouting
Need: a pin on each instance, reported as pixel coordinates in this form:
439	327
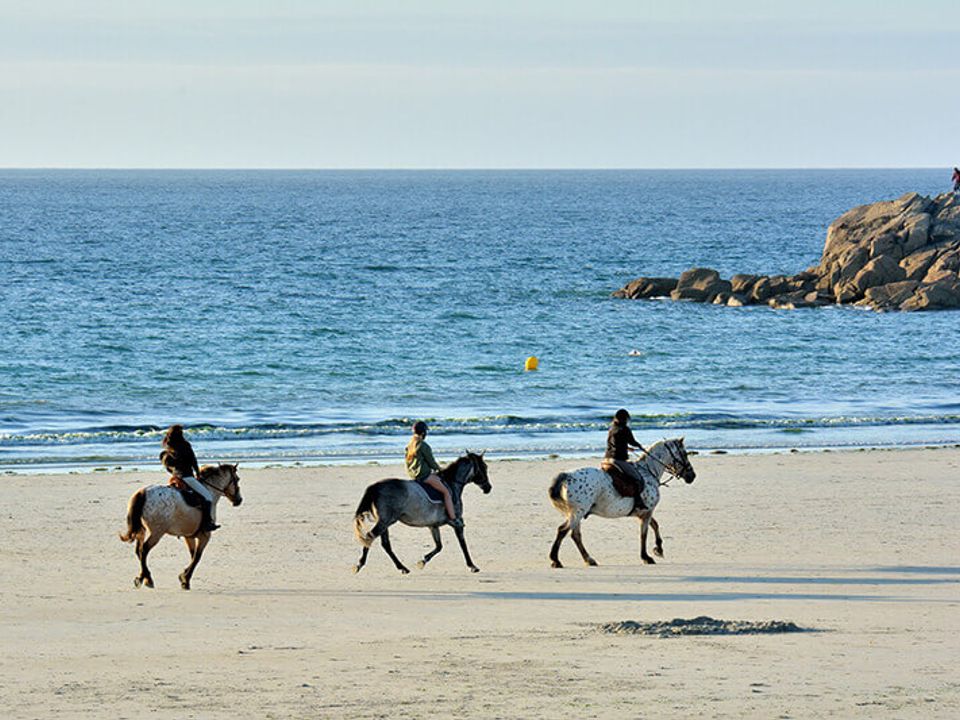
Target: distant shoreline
97	468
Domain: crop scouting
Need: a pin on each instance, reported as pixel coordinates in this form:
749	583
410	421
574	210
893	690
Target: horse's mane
449	472
207	470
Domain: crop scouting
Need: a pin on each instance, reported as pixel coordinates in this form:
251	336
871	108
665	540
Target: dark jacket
180	460
619	441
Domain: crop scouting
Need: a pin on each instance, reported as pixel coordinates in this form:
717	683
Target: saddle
433	495
190	496
624	485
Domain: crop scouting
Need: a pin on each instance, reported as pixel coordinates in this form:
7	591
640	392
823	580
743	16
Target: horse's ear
235	466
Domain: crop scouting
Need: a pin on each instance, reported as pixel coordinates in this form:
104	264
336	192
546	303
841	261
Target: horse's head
470	468
679	464
480	476
224	479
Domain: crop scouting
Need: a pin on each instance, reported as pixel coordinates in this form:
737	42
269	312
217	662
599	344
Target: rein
671	469
222	491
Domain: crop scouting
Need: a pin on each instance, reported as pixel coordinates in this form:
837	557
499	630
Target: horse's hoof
137	582
474	569
591	562
421	565
555	564
649	561
658	552
404	571
184	586
356	569
148	582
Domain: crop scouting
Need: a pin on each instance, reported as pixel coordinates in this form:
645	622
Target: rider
422	467
619	441
179	459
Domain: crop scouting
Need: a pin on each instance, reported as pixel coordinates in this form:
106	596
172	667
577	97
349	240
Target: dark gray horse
390	501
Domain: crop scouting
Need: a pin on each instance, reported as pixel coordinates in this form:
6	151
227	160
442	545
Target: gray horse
389	501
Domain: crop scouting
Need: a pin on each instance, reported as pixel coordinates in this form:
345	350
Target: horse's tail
366	510
556	491
135	516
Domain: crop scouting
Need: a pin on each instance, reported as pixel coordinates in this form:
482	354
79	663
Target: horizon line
224	168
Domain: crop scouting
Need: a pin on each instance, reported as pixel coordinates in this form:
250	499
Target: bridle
475	471
223	490
670	468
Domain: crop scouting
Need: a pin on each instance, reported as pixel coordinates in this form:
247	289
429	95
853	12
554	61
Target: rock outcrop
900	254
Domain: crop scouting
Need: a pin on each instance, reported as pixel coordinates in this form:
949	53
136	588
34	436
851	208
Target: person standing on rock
956	181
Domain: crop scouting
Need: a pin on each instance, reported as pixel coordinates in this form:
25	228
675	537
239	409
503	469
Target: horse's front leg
644	526
385	541
658	548
438	546
196	552
463	547
145	578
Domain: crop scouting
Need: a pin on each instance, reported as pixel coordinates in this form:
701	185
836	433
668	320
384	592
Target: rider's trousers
204	492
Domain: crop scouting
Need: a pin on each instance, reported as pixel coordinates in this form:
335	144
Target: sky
479	84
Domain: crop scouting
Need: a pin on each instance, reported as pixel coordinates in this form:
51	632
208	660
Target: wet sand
862	547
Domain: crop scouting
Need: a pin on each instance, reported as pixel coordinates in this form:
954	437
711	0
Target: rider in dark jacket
180	461
619	441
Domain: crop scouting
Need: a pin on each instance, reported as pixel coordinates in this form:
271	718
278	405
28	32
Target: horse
590	491
158	510
391	500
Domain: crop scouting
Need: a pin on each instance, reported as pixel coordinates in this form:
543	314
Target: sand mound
702	625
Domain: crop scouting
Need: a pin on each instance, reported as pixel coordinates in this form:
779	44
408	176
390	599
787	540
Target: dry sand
861	546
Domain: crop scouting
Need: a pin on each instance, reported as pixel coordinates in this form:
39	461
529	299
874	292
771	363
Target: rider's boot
638	504
207	524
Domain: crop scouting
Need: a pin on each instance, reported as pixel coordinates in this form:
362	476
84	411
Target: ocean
311	316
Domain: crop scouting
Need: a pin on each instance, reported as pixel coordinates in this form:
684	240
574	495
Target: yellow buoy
532	363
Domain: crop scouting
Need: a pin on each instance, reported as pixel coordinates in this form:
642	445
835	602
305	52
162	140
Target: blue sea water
310	316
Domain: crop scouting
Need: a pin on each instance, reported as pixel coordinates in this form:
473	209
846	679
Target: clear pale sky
488	83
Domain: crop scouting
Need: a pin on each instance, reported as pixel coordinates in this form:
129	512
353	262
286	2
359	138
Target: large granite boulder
700	284
897	254
647	287
882	270
939	295
916	264
890	296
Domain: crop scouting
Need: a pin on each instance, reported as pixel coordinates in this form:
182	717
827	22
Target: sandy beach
860	547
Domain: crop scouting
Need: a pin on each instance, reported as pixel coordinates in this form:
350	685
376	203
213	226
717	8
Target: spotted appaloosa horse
590	491
392	500
158	510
